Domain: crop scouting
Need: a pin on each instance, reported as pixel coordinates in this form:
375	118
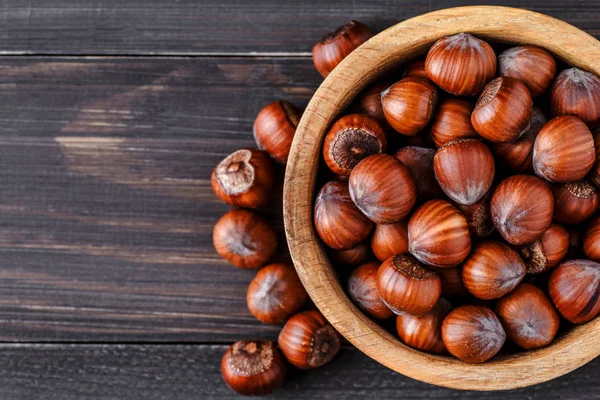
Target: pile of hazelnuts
464	197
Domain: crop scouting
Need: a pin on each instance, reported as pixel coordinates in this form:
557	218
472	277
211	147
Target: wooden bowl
387	50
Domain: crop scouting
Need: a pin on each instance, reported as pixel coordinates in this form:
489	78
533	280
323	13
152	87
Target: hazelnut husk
575	202
452	121
503	111
591	240
275	294
275	127
438	234
424	332
308	341
558	160
244	178
461	64
336	45
408	105
419	161
577	92
382	188
406	286
464	169
492	270
362	288
533	66
244	239
547	251
338	222
528	317
473	334
574	288
521	208
389	240
351	139
253	367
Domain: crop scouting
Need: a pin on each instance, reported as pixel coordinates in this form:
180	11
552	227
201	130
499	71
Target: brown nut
528	317
424	332
382	188
503	111
478	216
362	288
351	257
558	160
338	222
574	288
244	239
415	68
576	92
274	129
438	234
461	64
406	286
533	66
336	45
408	105
591	240
389	240
244	178
547	251
473	334
521	208
575	202
452	121
351	139
492	270
452	284
419	161
464	169
594	175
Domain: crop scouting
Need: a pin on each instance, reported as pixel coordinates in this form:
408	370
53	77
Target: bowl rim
390	48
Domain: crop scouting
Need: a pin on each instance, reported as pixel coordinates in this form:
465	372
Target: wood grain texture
188	27
105	203
186	372
380	54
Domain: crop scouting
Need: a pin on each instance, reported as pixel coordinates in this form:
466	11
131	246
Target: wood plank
188	27
106	211
153	372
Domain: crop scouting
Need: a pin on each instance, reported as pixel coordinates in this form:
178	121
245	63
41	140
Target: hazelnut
244	178
408	105
575	243
528	317
452	121
492	270
351	257
461	64
464	168
275	294
531	65
521	208
547	251
362	287
308	341
558	160
382	188
406	286
591	240
575	202
518	155
452	284
244	239
438	234
338	222
473	334
351	139
576	92
253	367
419	161
274	129
478	216
369	102
415	68
574	288
424	332
336	45
389	240
503	111
594	175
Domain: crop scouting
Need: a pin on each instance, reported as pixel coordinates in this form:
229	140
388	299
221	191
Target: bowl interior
383	52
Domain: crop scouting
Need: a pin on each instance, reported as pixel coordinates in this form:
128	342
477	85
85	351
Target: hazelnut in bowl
514	153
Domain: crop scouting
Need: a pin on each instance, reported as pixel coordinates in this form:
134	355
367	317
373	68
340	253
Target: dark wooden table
112	116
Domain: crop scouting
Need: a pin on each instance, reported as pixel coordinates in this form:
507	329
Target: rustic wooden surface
112	116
